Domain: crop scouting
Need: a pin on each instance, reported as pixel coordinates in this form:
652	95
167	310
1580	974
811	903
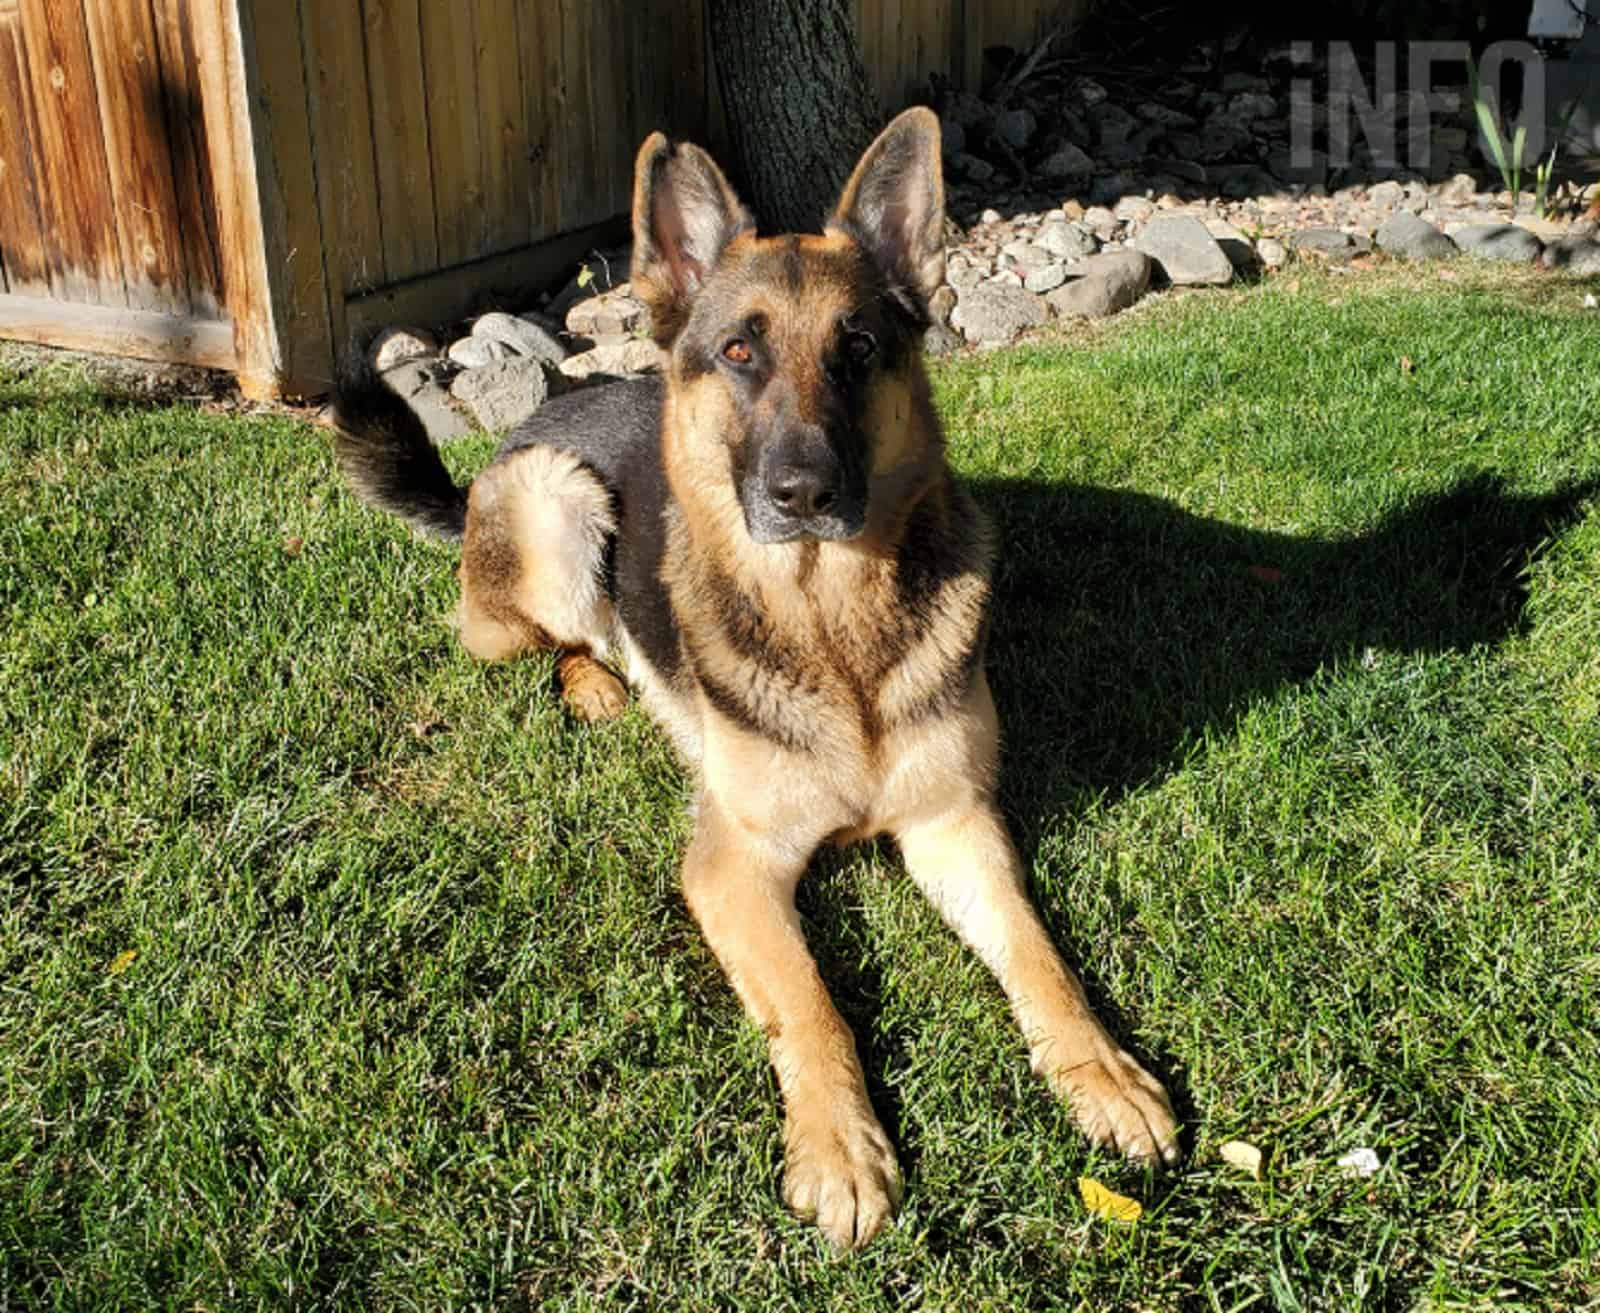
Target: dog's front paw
590	691
840	1172
1118	1104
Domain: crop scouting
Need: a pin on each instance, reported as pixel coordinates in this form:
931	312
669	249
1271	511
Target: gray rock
504	393
1459	190
421	384
1272	253
1065	240
1497	241
1100	220
1023	256
1389	193
991	313
1166	116
1107	283
941	340
610	314
1066	161
1134	209
965	277
1239	249
941	303
394	346
1328	244
521	337
476	352
953	138
1249	105
1573	255
1109	188
621	358
971	167
1185	251
1046	277
1016	127
1405	235
1113	124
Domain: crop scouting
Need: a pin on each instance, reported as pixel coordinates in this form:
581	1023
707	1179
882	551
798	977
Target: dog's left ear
893	205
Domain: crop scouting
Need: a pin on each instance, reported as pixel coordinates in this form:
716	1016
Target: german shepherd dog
769	540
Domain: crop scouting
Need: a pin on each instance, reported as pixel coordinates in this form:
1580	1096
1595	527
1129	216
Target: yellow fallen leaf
1108	1204
1246	1157
122	961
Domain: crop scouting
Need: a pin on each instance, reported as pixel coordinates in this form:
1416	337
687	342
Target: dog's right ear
684	214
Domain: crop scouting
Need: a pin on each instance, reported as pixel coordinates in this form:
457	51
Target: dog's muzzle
801	488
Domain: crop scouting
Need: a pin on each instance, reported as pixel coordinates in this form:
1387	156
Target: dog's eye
860	347
737	352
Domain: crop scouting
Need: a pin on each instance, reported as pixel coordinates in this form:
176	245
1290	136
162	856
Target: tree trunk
799	107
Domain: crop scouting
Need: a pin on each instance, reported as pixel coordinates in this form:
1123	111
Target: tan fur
536	527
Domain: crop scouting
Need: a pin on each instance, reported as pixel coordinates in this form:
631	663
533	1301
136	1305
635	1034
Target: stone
1109	188
996	314
1497	241
1016	127
1328	244
420	383
1023	256
1066	161
1572	255
1134	209
1187	254
394	346
1065	240
965	277
1272	253
1412	238
610	314
952	137
522	337
1459	190
629	356
989	217
941	303
1105	284
476	352
973	168
1389	193
941	340
1250	105
1240	251
1112	124
1046	277
504	393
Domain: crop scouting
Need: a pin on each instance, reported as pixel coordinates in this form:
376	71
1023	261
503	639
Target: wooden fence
258	184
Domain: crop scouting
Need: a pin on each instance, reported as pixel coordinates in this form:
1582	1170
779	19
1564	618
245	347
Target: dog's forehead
796	281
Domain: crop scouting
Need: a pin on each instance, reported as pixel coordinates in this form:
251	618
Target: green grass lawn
337	971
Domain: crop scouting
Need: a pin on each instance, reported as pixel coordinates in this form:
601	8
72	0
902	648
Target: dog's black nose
803	491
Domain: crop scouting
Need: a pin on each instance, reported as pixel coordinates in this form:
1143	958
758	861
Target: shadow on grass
1124	626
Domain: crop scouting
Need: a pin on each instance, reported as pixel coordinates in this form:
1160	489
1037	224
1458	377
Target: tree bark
799	107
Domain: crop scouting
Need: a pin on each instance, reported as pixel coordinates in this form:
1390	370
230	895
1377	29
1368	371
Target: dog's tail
389	461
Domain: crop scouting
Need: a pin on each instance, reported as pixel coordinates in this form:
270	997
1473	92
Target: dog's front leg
839	1166
965	863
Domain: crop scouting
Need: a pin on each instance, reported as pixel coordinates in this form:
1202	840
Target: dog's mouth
768	522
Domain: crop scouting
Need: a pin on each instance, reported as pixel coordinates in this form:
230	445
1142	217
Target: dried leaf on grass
1243	1155
1108	1204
